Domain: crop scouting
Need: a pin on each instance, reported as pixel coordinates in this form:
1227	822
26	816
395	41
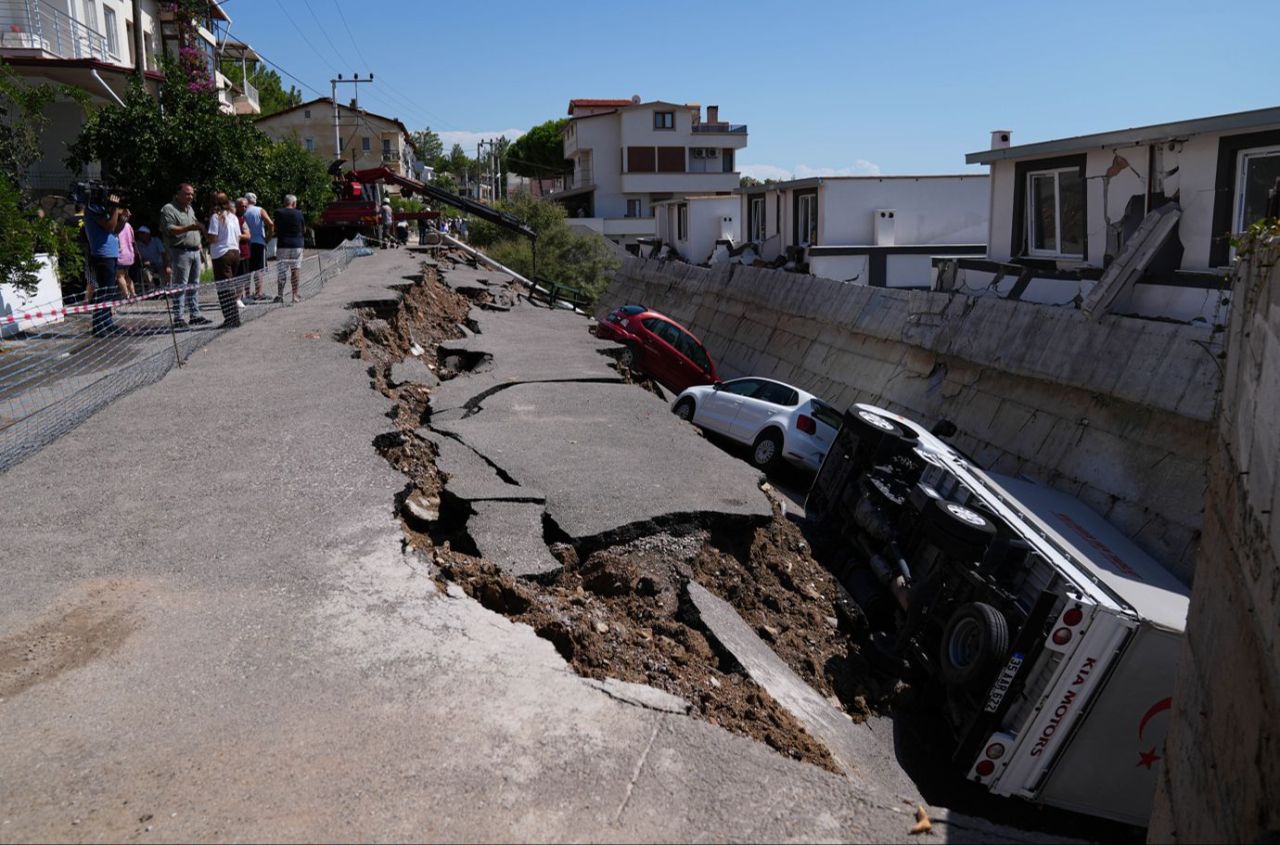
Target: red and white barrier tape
55	311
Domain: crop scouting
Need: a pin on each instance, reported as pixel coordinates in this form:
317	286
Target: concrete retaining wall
1116	411
1222	779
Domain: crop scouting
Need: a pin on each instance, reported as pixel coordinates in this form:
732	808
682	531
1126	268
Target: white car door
719	409
758	409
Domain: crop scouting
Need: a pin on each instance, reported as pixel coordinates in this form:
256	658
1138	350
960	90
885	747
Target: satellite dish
635	98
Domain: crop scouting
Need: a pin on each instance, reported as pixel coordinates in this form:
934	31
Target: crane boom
413	186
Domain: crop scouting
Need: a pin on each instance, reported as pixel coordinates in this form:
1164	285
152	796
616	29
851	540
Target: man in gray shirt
182	236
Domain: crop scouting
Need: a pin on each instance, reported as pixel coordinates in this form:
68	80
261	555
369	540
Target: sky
826	88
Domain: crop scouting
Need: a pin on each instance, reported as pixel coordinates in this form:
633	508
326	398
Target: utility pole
355	104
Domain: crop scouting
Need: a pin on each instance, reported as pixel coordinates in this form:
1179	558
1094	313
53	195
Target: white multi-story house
1062	212
630	155
93	45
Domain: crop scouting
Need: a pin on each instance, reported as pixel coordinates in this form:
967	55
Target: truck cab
1050	636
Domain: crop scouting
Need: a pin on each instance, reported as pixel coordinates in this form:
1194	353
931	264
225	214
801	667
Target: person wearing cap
261	228
386	229
152	260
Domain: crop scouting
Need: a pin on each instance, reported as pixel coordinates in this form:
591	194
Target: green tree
430	147
458	162
148	146
540	151
581	259
23	232
272	97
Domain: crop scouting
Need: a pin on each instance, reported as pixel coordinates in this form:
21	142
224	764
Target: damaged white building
1067	216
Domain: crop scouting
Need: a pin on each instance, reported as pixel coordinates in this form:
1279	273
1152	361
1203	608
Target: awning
570	193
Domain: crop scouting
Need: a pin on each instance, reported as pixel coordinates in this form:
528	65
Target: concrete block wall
1115	411
1222	778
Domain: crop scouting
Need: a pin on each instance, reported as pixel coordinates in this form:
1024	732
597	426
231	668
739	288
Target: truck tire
952	521
869	424
975	641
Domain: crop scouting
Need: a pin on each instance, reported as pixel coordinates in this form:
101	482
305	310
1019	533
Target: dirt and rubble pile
621	611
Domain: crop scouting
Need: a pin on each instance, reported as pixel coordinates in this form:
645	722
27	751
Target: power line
315	90
323	31
351	35
304	38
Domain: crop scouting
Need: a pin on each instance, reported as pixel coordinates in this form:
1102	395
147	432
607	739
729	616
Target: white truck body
1085	730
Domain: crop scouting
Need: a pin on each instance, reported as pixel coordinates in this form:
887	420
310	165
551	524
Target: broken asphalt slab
413	370
509	535
529	344
610	458
470	477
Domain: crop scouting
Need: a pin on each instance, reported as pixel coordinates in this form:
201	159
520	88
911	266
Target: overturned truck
1052	638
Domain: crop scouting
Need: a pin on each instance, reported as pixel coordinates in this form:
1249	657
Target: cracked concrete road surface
209	629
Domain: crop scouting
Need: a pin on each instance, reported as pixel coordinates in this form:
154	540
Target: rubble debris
615	605
922	825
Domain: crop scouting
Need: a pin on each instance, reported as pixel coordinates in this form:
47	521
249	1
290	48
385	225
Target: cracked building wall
1223	752
1116	411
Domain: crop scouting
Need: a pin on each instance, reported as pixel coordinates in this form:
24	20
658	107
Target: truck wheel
959	522
875	424
975	640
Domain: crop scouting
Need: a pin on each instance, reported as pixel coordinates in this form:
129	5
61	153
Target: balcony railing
37	27
250	95
721	128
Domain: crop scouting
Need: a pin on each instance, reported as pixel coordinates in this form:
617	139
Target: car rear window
825	413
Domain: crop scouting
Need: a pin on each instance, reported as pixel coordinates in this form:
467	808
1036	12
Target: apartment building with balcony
364	140
629	156
93	45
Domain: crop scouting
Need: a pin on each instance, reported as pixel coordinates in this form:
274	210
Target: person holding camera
101	223
182	232
226	231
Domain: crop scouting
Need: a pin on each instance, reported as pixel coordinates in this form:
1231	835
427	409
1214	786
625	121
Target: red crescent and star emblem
1147	759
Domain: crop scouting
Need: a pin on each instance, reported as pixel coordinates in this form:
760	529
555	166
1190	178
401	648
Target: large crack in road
553	490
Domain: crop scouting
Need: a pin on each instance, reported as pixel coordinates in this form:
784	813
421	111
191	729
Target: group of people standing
235	232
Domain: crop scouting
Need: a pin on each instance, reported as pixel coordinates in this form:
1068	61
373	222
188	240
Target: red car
658	346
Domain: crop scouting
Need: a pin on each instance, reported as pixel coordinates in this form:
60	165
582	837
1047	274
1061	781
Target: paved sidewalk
211	632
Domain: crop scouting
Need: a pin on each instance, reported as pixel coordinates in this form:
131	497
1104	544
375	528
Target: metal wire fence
56	371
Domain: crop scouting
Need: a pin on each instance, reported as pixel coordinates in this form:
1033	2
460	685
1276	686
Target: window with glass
757	219
306	113
386	146
633	208
692	350
310	144
366	143
1256	173
1055	213
807	219
113	37
682	223
664	120
742	387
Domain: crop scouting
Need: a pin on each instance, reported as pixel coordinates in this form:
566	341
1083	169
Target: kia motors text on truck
1053	638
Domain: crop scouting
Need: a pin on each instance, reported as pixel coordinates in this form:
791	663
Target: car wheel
975	640
766	452
628	357
684	409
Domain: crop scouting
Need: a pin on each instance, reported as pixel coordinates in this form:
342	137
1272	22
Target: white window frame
1029	207
807	214
670	128
109	24
757	219
638	206
682	222
1242	159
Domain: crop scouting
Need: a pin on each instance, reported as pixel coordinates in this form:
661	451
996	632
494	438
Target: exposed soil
621	611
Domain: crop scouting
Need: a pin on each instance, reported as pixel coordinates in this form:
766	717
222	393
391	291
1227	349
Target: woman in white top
225	233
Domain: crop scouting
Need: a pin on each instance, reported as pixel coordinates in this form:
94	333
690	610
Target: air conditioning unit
883	226
712	152
696	152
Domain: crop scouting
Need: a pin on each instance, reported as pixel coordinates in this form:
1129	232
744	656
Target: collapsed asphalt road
544	485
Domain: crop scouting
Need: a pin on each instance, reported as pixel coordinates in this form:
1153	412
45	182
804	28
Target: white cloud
861	167
468	140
